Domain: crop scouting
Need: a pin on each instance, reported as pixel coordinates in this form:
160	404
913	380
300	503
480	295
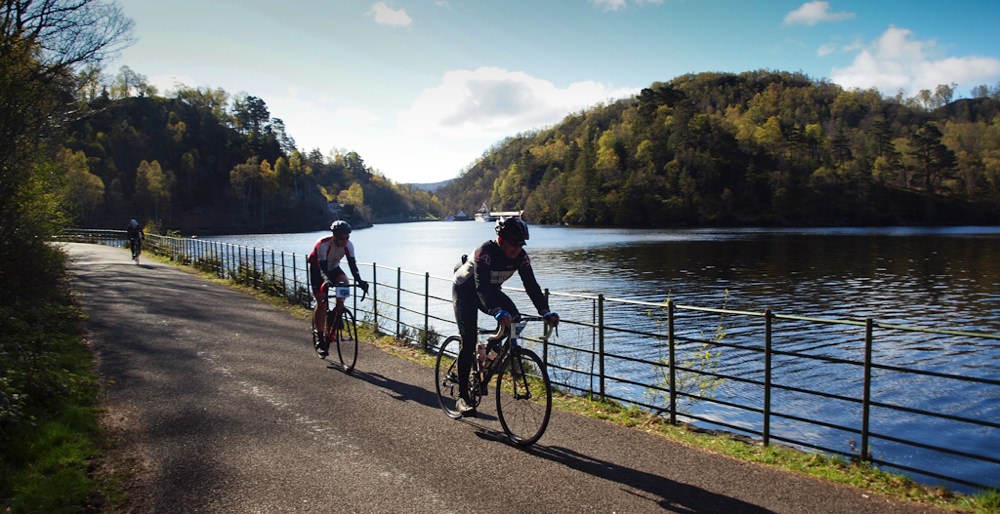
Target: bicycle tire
315	334
446	376
136	247
524	397
346	336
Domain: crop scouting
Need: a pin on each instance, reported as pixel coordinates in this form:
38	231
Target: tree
84	191
245	181
935	161
285	141
128	83
41	44
152	188
250	114
269	189
214	101
354	195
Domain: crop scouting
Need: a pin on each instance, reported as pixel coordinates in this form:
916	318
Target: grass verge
48	409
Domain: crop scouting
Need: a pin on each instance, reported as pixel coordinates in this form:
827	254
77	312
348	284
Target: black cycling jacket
490	268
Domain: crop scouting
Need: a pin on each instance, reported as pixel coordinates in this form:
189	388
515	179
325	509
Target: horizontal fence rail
861	389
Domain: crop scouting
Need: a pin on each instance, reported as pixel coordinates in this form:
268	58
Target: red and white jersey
327	251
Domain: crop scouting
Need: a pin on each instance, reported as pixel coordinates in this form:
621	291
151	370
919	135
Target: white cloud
385	15
811	13
898	61
494	103
615	5
167	84
610	5
826	49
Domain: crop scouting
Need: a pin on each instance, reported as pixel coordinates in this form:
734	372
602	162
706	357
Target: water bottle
491	355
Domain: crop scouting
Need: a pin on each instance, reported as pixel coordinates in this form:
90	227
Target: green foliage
250	276
198	162
695	376
48	393
756	148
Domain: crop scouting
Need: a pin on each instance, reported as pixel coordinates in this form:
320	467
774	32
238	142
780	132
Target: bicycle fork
519	379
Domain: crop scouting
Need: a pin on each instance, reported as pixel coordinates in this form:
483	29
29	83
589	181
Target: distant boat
483	214
460	216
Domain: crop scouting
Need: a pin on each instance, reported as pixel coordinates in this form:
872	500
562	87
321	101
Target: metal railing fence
862	389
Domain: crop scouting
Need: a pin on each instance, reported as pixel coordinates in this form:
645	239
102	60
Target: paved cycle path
223	406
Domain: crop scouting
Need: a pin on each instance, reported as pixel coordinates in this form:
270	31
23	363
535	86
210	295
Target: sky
421	89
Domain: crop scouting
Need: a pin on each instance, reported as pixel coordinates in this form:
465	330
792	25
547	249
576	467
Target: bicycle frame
507	337
340	321
523	391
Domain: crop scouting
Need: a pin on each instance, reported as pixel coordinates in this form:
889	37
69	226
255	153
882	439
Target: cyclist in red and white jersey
324	269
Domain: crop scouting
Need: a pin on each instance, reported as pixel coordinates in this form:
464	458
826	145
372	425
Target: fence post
600	343
284	281
671	355
866	399
427	309
545	343
375	297
767	377
253	267
399	300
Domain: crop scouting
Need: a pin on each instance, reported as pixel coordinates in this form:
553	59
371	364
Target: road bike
523	391
135	244
341	325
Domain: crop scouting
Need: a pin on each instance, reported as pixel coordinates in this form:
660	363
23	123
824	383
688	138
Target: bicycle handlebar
364	293
502	332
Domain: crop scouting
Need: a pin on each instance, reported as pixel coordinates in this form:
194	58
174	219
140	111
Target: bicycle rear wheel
315	334
446	376
524	397
345	334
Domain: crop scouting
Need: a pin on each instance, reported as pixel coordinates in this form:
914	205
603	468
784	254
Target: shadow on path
397	390
668	494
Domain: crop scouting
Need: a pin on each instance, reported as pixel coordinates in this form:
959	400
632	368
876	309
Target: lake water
943	278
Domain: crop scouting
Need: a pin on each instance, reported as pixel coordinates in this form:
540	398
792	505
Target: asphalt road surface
222	406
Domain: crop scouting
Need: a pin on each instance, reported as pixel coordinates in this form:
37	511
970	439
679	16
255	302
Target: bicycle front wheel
446	376
524	397
346	335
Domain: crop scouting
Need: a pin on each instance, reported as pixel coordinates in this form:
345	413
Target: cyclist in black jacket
134	239
477	287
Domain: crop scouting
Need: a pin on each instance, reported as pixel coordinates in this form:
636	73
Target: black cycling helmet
340	228
513	230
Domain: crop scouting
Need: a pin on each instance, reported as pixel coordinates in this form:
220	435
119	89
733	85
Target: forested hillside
202	160
756	148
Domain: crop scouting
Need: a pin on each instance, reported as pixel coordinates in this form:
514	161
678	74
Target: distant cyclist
477	287
135	239
324	270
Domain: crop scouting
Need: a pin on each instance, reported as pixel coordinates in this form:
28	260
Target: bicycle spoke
524	397
446	376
